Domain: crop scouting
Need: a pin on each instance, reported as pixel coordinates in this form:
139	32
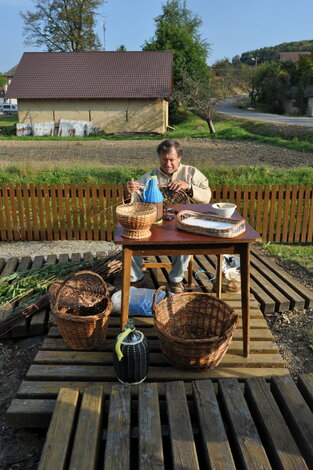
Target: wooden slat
55	218
55	452
299	213
212	431
7	211
69	225
184	452
299	288
81	209
61	211
42	222
286	214
272	214
75	211
305	385
305	218
244	433
88	213
15	225
35	218
279	213
283	450
46	196
297	414
149	425
87	435
292	215
117	449
3	231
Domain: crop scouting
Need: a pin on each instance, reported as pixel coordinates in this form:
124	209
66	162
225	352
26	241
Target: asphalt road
227	107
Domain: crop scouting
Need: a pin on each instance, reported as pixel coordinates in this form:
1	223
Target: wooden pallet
271	286
56	366
205	424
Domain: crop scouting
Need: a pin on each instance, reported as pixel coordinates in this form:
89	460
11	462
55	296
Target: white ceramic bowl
224	209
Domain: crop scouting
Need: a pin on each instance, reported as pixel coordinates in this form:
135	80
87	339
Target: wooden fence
86	211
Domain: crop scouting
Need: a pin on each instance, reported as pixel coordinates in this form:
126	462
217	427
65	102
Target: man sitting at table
175	176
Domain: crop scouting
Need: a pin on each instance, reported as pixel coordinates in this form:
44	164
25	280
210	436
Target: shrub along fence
87	211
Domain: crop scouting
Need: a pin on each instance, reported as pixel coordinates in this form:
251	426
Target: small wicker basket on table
198	222
81	306
194	329
136	219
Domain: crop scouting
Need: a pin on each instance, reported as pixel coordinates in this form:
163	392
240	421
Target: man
176	177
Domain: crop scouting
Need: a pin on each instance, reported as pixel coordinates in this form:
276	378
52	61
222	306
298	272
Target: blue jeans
179	266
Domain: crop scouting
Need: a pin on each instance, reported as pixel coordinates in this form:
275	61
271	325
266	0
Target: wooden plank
75	212
3	231
42	222
30	413
292	214
15	225
215	444
7	211
82	233
305	385
273	195
69	226
117	449
88	430
149	423
304	292
257	347
305	219
27	212
295	299
297	414
184	452
46	196
267	303
282	303
55	218
299	213
94	358
281	446
279	213
34	214
242	428
10	267
55	452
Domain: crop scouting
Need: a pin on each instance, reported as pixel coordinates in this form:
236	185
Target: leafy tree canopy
62	25
3	80
177	30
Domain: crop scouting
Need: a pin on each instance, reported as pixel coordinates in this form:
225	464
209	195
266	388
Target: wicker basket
198	222
194	329
175	197
82	308
136	219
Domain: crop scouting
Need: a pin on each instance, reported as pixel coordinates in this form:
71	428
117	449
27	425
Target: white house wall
112	116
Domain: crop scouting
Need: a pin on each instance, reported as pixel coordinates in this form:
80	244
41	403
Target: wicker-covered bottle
131	355
153	195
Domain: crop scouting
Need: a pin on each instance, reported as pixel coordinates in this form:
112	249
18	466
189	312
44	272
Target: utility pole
103	27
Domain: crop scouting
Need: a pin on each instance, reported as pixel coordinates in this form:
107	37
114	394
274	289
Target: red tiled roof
62	75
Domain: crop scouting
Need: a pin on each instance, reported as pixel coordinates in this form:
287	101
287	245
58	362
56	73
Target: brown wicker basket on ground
82	308
194	329
136	219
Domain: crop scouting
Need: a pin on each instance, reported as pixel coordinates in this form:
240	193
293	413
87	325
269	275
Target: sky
231	27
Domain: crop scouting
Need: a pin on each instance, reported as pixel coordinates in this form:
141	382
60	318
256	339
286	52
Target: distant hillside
272	53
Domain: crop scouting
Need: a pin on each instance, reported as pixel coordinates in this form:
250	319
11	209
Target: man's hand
133	186
178	185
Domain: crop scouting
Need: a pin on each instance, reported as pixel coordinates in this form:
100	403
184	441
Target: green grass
301	254
65	173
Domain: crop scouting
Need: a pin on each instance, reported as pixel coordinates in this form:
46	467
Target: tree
203	96
3	80
121	48
62	25
177	30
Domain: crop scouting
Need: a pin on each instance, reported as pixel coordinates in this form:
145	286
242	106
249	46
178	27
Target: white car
8	108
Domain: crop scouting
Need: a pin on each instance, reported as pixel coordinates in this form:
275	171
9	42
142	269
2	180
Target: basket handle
106	291
155	296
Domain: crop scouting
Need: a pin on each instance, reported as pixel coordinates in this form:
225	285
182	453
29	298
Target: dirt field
197	152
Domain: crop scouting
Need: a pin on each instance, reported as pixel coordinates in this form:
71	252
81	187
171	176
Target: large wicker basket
136	219
194	329
82	308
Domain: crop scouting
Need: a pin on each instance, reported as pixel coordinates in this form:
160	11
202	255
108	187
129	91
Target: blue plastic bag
140	301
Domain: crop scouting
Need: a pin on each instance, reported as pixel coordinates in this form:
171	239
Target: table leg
219	276
245	297
127	259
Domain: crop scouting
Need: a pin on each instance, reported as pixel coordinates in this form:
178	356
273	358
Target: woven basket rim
233	316
145	208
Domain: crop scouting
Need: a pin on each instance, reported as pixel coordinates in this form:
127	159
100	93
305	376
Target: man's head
170	153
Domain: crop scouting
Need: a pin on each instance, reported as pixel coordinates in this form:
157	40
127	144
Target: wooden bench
225	424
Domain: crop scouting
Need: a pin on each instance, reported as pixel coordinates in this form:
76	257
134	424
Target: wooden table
167	240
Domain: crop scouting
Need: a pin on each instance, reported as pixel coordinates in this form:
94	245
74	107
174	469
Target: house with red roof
117	91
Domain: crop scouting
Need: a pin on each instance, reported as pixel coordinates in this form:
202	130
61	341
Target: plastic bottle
131	355
152	194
